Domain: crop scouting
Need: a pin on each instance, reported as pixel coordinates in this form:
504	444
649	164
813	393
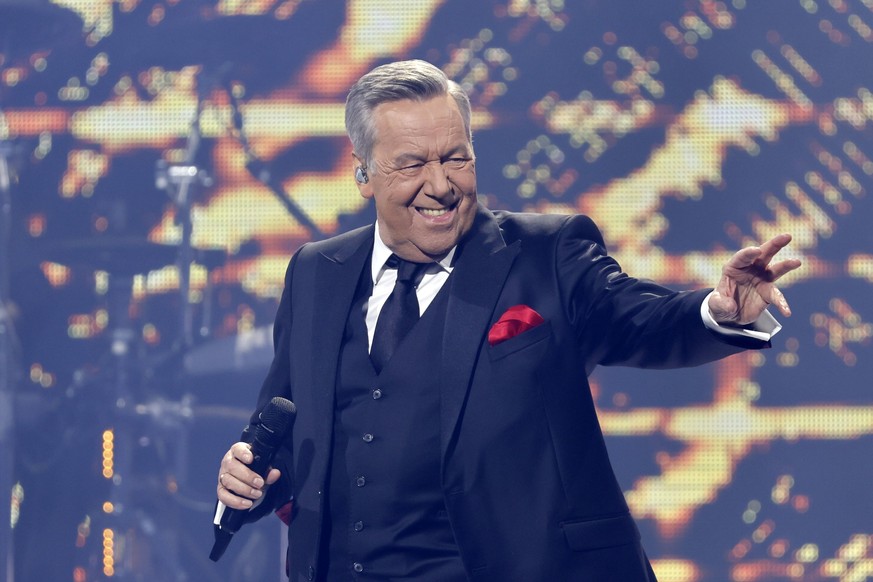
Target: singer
438	362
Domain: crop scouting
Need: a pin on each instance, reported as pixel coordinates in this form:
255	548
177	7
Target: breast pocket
604	532
522	341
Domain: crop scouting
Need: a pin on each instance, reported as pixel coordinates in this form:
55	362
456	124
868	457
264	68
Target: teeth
433	212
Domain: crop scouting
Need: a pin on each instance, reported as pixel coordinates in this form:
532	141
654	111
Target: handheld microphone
275	421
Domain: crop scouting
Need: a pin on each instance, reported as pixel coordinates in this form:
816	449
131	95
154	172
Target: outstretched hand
747	286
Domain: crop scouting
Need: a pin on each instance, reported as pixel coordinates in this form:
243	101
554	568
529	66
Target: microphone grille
278	415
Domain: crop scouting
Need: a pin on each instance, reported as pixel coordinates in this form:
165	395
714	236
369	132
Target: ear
358	170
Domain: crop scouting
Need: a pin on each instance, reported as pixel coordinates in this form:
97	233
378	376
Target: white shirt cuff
764	328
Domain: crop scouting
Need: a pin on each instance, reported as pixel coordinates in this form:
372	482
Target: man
469	448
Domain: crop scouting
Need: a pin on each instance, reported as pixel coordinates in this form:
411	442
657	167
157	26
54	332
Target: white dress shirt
384	280
438	273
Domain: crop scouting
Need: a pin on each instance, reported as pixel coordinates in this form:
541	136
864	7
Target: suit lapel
336	280
477	279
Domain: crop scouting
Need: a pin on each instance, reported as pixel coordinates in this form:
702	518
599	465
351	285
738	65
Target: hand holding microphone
245	471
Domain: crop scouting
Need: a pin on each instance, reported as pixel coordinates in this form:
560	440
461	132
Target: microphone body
276	421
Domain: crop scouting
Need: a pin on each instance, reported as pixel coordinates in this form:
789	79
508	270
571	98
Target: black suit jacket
527	482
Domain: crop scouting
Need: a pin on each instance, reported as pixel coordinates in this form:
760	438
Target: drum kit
141	413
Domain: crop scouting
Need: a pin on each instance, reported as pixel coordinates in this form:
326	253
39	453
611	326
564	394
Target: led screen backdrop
142	135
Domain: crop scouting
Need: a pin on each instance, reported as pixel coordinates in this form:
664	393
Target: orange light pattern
853	562
620	87
716	437
108	453
373	30
838	333
84	169
108	552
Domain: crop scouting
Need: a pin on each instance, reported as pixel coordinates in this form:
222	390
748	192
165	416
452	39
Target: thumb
272	476
721	307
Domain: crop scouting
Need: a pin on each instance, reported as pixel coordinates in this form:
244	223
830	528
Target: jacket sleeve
620	320
277	383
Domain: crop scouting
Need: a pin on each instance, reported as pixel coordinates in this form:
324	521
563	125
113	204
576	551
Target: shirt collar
381	253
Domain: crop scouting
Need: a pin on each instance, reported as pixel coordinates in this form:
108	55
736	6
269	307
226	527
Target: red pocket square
516	319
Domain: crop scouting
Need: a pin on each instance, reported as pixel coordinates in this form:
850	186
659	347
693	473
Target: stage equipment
222	64
8	370
146	433
26	26
245	352
261	172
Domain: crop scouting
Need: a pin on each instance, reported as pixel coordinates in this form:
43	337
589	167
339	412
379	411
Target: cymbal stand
179	180
133	431
134	419
7	360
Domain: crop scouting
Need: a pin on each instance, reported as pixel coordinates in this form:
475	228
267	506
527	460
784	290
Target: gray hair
415	80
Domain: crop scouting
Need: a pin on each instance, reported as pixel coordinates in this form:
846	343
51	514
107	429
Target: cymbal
31	25
121	255
248	351
117	255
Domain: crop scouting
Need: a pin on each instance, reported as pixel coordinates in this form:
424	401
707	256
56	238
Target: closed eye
414	168
456	161
411	169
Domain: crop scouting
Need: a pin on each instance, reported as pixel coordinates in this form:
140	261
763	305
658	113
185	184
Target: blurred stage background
140	137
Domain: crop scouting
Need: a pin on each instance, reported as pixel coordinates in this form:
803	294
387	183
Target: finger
744	257
778	299
773	246
236	459
235	463
782	267
241	451
242	486
241	474
227	497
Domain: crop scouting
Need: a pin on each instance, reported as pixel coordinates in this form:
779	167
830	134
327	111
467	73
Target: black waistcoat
385	518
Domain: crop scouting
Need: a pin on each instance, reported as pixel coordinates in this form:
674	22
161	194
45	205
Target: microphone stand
260	172
135	429
178	181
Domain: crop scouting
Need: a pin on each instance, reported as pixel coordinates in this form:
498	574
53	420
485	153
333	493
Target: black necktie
400	311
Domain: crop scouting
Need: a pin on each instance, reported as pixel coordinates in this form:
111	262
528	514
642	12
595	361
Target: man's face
423	177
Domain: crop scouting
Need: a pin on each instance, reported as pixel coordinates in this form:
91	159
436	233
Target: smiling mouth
435	212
